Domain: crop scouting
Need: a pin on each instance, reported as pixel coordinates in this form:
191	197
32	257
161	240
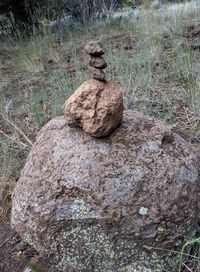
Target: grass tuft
152	57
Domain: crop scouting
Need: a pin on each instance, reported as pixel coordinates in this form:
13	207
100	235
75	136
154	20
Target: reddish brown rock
96	107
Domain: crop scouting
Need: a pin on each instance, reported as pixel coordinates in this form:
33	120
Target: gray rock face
103	204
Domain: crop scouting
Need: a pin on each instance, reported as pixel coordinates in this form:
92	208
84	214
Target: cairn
97	105
97	63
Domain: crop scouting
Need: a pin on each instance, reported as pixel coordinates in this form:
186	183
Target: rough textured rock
97	73
94	48
196	136
101	204
96	107
97	62
195	139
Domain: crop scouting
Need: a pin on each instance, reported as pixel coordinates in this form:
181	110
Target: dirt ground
12	250
16	253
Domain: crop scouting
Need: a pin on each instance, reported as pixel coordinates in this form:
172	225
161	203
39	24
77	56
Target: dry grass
151	57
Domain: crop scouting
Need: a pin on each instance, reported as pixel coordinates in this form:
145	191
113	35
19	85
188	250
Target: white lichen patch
28	238
143	211
131	268
77	246
79	207
88	248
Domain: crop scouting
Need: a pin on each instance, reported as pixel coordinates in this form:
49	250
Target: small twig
11	139
172	251
17	128
187	267
5	241
20	267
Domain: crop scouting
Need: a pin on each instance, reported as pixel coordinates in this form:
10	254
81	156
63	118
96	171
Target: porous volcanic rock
96	107
103	204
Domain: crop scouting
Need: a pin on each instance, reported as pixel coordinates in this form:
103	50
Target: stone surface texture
96	107
97	73
94	48
97	62
100	204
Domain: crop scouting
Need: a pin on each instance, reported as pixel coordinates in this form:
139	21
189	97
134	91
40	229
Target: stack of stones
97	62
97	105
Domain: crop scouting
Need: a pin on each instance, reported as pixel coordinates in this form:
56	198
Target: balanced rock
97	62
94	48
97	73
96	107
112	204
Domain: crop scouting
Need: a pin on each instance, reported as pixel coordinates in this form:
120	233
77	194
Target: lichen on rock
107	204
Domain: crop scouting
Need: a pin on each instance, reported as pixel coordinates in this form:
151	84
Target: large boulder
108	204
